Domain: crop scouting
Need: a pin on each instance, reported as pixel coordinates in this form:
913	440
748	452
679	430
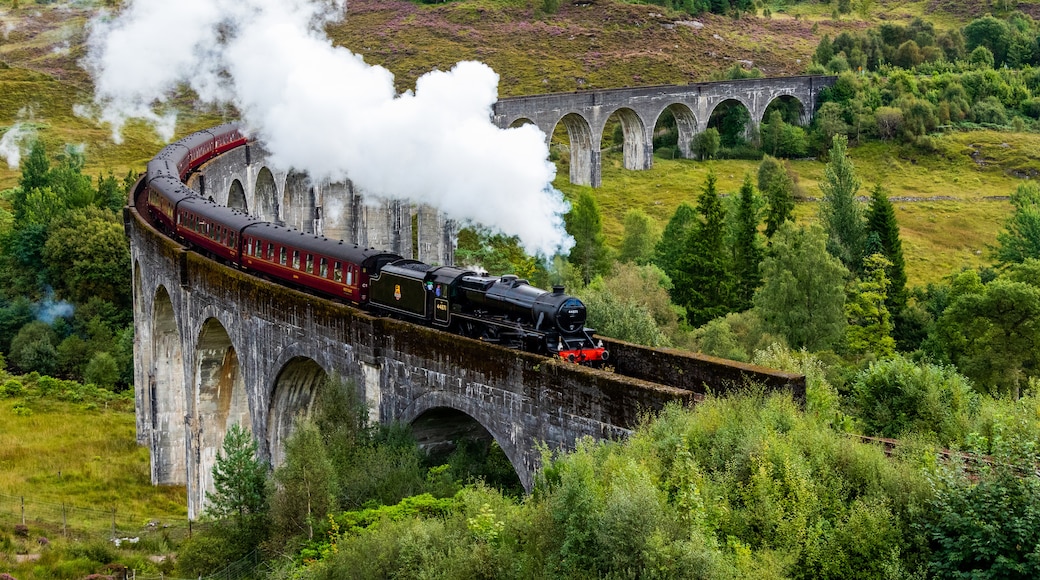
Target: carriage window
337	272
249	246
310	264
296	259
350	276
270	251
323	268
282	255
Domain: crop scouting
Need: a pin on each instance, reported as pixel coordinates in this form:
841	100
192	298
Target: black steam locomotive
503	310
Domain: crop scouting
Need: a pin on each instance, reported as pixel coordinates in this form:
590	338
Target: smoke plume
323	110
12	141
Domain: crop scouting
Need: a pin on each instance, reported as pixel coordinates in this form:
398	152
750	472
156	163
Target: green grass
83	456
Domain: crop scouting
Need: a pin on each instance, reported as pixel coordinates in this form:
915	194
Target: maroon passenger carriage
502	310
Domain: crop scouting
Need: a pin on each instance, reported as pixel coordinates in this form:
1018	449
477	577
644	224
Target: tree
870	324
639	239
306	483
584	223
881	219
778	188
1020	238
839	210
703	280
992	331
239	478
672	243
747	252
102	370
87	256
706	144
632	304
35	169
802	297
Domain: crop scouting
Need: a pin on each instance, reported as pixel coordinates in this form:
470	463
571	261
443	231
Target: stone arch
167	394
685	124
237	196
584	149
439	418
791	108
266	198
299	202
721	115
221	394
637	147
292	395
520	122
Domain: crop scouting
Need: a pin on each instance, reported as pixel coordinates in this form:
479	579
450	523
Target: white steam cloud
322	109
12	141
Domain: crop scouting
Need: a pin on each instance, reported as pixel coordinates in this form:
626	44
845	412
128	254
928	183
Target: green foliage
102	371
706	144
88	256
239	479
870	323
1020	238
640	238
802	297
990	331
989	528
778	188
305	484
632	304
839	210
881	219
703	282
897	397
747	249
32	349
589	254
671	246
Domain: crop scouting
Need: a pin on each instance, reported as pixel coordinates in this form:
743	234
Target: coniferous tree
881	220
589	253
640	237
239	478
840	212
778	188
704	283
747	252
672	243
35	175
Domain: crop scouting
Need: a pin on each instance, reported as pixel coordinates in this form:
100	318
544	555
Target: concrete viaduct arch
585	114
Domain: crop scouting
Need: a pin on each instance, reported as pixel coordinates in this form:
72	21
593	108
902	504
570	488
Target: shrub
897	396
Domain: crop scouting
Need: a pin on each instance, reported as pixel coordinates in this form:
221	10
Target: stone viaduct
215	346
584	114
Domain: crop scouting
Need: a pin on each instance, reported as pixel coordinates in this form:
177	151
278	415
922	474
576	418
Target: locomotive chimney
558	289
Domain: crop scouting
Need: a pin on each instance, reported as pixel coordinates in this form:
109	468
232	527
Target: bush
897	396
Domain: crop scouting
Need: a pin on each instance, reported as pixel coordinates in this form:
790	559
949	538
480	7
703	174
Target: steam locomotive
504	310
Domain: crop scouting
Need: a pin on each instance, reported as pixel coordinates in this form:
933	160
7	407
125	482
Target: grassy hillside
587	45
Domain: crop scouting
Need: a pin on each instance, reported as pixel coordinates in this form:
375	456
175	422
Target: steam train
499	309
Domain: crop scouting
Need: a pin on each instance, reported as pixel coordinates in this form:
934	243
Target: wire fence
120	527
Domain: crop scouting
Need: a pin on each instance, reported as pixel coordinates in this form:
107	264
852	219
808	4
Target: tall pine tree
672	244
881	220
778	188
640	237
747	251
704	283
840	212
589	254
